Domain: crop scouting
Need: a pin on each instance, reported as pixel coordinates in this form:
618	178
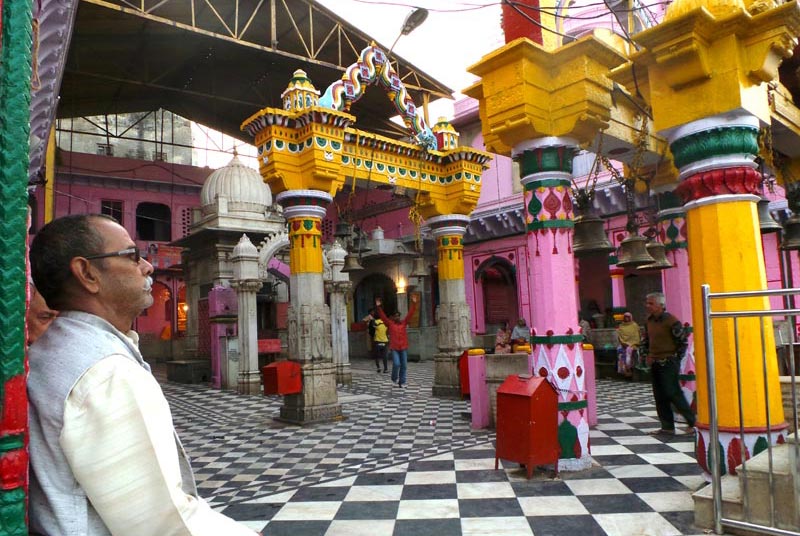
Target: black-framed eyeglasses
132	253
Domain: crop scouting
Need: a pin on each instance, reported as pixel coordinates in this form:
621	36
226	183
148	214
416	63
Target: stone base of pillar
574	464
731	450
446	381
249	383
344	376
318	402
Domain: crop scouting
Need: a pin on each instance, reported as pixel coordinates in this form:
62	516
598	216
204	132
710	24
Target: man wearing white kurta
105	458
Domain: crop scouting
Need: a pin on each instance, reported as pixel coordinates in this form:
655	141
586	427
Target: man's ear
86	274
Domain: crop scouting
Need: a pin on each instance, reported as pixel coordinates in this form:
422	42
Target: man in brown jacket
666	343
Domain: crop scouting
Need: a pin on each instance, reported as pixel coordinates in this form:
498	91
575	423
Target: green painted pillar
15	96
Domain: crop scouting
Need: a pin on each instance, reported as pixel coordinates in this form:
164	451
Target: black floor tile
614	504
324	493
244	512
368	510
426	527
429	491
295	528
488	475
652	485
583	525
534	488
489	508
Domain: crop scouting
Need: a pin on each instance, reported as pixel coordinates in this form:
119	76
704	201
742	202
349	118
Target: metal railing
790	313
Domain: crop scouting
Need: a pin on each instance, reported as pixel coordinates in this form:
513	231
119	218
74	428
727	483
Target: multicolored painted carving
560	360
556	343
374	67
304	210
549	210
451	257
15	78
300	94
305	243
719	181
731	449
672	228
308	146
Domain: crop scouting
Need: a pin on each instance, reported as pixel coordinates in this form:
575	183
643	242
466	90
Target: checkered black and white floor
404	462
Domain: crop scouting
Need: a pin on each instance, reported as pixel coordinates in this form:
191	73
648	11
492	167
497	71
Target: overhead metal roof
215	62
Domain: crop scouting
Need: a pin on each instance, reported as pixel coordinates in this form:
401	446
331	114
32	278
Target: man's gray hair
658	297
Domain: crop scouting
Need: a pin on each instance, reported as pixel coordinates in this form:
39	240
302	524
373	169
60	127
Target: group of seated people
628	335
507	340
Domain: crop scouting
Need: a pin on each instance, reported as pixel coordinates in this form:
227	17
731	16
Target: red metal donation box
527	422
282	378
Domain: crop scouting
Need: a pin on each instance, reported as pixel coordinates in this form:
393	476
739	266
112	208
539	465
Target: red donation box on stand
527	422
282	378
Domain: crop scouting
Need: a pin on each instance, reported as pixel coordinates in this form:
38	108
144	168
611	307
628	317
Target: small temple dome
336	253
241	186
244	248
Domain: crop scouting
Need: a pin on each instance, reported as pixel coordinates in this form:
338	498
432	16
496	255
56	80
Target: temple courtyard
406	463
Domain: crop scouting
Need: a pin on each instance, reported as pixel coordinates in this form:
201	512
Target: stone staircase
786	498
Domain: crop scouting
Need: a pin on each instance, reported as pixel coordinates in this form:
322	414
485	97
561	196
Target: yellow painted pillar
453	314
309	318
725	251
706	73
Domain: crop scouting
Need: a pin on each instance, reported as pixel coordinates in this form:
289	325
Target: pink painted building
153	200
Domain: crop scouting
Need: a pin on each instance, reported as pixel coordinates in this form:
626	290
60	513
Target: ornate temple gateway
308	151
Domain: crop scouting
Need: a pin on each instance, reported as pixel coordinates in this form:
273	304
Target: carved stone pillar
453	313
309	318
246	282
339	288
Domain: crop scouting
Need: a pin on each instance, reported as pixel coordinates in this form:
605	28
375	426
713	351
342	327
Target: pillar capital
448	224
528	92
304	203
714	60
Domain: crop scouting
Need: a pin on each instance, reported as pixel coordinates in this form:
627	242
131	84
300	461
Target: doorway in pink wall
499	285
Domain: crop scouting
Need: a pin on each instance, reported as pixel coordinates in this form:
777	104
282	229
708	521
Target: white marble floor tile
430	477
693	482
511	526
669	501
374	493
402	468
607	450
666	458
643	524
474	465
636	440
636	471
615	426
346	527
340	482
487	490
428	509
553	505
303	511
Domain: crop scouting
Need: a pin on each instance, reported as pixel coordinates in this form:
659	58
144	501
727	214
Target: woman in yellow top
629	340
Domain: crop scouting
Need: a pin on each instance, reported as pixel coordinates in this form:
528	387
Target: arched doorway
371	287
498	280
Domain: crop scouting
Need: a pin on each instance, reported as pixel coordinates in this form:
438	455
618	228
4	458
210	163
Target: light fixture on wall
401	285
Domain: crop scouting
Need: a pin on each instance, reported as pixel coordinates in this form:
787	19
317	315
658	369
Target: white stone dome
242	186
